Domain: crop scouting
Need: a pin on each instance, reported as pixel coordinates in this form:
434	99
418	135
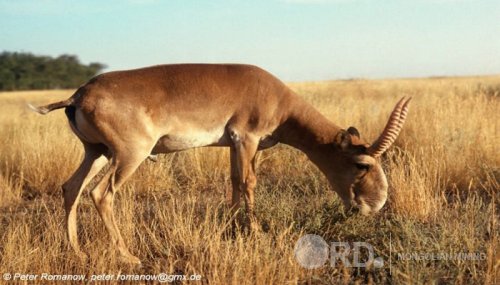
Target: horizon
297	40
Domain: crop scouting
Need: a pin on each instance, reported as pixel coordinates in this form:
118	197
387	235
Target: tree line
25	71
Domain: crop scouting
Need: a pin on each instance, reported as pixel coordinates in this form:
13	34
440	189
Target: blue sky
294	39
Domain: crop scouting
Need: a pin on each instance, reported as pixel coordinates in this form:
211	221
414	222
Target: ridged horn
392	128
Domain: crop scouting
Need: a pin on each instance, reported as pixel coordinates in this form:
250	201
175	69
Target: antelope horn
392	129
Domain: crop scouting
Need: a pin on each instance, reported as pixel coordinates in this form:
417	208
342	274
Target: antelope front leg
235	182
246	148
248	187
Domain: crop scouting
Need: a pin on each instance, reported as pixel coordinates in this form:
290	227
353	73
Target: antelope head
354	169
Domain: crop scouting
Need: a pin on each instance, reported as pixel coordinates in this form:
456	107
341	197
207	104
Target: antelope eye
362	166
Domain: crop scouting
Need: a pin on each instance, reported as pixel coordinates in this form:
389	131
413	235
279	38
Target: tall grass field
439	226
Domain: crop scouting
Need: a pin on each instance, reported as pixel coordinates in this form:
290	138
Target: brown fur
128	115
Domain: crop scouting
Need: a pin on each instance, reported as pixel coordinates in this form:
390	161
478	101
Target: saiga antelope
125	116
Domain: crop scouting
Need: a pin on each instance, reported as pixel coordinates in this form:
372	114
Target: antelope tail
51	107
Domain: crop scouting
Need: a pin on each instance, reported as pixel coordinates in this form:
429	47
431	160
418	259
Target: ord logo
312	251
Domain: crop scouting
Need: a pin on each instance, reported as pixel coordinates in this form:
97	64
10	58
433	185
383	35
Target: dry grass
443	175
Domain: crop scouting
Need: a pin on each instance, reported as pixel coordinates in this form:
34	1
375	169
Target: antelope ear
343	139
353	131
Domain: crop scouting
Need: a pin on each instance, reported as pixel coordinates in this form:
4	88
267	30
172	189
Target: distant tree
25	71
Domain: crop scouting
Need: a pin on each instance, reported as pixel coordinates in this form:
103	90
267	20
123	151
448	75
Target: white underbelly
190	139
